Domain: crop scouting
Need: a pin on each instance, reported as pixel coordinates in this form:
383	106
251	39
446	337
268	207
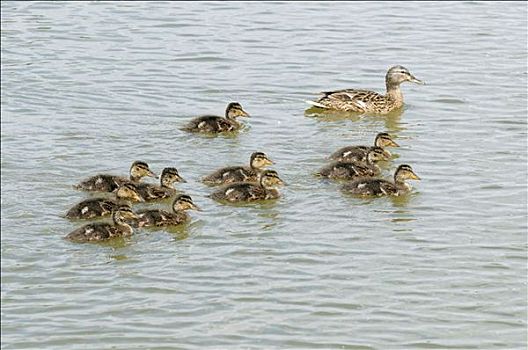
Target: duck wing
101	183
243	191
94	232
350	100
158	217
231	175
210	123
151	192
351	153
92	208
371	187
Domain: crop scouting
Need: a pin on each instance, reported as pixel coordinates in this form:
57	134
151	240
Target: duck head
399	74
235	110
259	160
184	202
139	170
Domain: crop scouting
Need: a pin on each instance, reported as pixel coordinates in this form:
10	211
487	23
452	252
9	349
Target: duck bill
386	155
416	81
414	177
138	199
131	216
244	114
392	143
181	179
151	174
195	207
269	162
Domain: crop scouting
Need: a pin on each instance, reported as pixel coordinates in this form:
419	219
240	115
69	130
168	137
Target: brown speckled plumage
110	183
365	101
103	231
160	217
99	207
217	124
347	170
165	190
250	191
232	174
359	153
382	187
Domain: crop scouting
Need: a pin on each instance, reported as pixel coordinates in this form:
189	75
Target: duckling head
123	214
385	140
376	154
140	169
270	178
235	110
184	202
405	172
129	192
169	176
399	74
259	160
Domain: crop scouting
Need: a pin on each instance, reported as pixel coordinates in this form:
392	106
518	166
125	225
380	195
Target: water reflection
390	121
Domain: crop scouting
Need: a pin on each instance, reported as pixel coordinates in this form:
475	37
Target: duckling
257	162
159	217
364	101
103	231
98	207
167	178
216	124
359	153
340	170
380	187
251	191
110	183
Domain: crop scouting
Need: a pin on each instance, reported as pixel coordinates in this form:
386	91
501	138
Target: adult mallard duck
216	124
167	178
341	170
359	153
251	191
364	101
159	217
381	187
103	231
110	183
257	162
98	207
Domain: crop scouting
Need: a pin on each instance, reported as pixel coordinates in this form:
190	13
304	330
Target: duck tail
316	104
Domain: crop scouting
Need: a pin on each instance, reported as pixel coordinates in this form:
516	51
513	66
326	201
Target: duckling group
354	164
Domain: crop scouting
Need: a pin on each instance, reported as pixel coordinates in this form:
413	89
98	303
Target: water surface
90	87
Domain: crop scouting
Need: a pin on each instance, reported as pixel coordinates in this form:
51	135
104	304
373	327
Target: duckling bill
217	124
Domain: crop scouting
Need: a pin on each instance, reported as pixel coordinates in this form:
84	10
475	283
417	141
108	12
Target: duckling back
101	183
98	232
159	217
91	208
211	124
